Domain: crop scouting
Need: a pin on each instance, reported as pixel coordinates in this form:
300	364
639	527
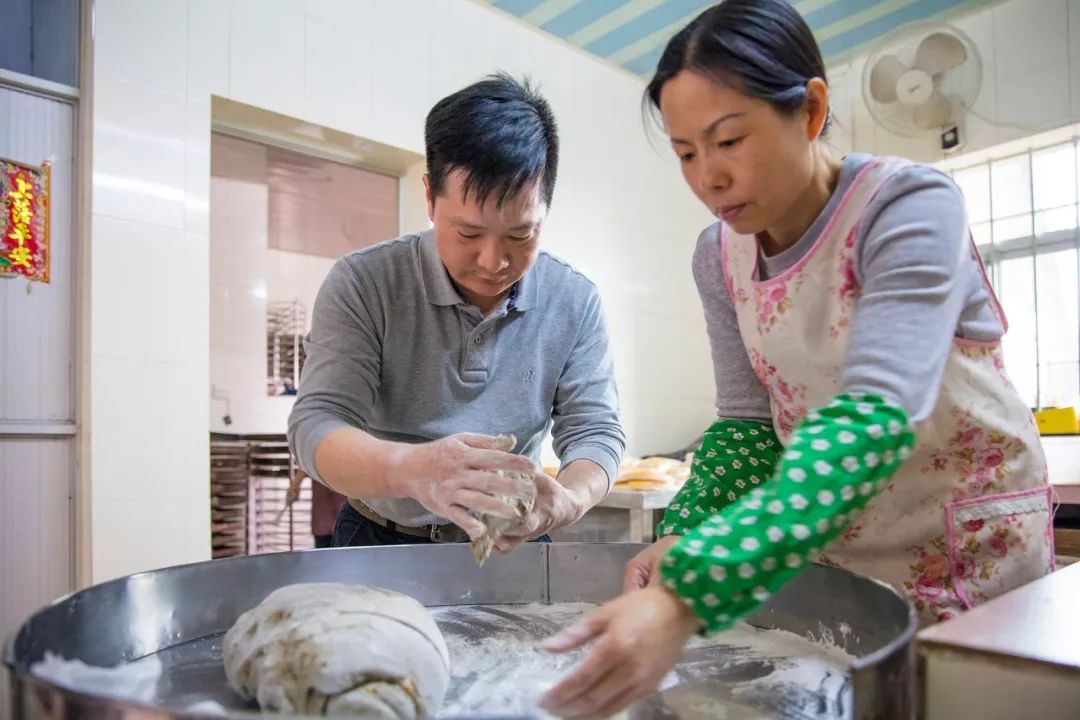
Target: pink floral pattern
929	585
980	455
992	555
789	401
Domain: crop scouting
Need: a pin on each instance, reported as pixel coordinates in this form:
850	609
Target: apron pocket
999	542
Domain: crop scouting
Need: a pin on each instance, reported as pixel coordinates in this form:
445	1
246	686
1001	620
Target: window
1024	211
40	38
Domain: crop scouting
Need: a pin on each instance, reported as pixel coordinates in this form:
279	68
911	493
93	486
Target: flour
497	668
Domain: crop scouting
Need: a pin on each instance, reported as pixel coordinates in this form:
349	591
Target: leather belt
448	533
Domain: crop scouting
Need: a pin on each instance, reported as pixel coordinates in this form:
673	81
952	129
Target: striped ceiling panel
632	33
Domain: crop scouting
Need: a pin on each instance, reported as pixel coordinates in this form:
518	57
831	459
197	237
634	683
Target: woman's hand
638	639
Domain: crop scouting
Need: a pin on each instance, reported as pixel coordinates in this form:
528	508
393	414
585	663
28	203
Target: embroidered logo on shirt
527	375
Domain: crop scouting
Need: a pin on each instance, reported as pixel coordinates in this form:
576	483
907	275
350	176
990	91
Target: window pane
1010	182
1053	176
1059	328
980	232
40	38
1010	228
974	182
1062	218
1016	283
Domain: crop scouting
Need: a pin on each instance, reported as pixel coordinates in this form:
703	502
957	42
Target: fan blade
939	52
934	113
883	78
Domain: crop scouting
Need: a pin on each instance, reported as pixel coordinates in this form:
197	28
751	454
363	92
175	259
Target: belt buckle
440	534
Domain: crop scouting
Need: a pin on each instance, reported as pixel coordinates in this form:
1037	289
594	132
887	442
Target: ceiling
632	33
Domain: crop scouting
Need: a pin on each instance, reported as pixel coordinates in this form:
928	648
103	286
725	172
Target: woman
865	418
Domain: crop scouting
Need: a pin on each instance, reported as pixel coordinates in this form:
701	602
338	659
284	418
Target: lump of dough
483	545
336	649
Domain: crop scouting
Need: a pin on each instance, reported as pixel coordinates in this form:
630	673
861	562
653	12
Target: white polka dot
871	460
905	452
866	488
846	437
864	408
822	468
800	532
843	420
857	396
669	561
753	462
757	493
813	416
723	530
746	571
826	498
875	431
706	531
737	436
775	507
889	457
732	496
684	513
894	427
815	429
850	464
814	555
748	520
723	618
740	483
718	573
692	551
668	529
820	444
768	564
760	594
822	526
798	502
752	503
719	552
710	600
689	576
716	492
744	451
792	561
847	493
774	534
720	471
796	475
736	464
839	521
792	455
749	544
696	544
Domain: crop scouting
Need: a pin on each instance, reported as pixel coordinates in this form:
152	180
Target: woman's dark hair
500	132
761	48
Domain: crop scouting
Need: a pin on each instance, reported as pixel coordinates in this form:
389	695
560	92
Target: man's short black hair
500	132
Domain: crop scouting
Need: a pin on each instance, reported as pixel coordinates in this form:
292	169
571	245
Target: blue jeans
351	529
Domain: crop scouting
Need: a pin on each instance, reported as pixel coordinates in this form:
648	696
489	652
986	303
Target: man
438	359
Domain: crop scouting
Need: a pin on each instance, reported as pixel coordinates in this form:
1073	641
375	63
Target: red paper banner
24	220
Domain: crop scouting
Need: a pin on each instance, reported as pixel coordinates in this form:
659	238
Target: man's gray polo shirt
395	351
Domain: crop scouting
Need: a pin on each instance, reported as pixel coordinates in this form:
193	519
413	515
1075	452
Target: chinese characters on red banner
24	220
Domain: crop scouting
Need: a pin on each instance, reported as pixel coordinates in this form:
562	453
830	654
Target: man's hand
458	475
556	506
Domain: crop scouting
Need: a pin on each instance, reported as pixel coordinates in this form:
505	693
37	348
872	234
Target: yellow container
1057	421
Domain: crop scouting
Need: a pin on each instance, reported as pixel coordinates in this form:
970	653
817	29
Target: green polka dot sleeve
837	460
735	455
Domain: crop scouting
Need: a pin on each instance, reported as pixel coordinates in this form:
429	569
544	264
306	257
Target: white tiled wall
1030	52
373	69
